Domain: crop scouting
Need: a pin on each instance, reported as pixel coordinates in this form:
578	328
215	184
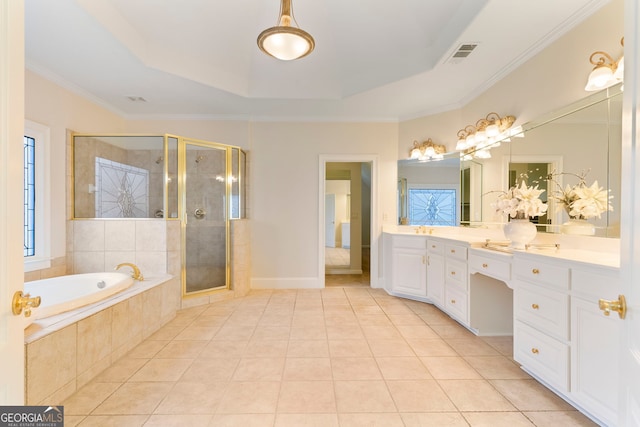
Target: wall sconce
427	150
487	131
606	72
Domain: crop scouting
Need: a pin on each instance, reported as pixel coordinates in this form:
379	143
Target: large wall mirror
582	139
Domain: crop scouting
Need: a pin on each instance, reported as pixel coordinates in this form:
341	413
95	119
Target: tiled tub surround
101	244
65	351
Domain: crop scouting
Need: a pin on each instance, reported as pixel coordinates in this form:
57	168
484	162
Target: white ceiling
374	59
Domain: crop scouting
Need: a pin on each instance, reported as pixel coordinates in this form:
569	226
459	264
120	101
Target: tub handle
24	302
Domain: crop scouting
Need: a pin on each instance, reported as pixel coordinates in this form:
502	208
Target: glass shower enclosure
198	183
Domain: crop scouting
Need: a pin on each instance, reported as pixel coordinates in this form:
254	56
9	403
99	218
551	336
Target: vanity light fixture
466	138
284	41
427	150
487	131
606	72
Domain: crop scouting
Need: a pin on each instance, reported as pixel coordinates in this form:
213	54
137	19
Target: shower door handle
199	213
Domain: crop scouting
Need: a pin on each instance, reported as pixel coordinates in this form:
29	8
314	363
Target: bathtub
66	293
81	342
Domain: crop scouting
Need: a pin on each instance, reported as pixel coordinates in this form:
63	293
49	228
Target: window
432	206
29	196
36	197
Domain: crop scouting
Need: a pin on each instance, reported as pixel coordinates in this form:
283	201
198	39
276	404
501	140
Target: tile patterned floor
341	356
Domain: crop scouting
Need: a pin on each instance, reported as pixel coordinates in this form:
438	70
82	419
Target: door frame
375	214
183	214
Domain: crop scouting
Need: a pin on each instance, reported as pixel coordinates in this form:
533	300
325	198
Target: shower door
205	220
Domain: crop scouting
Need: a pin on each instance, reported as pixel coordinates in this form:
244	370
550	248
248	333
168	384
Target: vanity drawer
545	309
455	303
456	273
541	273
592	285
435	247
542	355
409	242
491	267
456	252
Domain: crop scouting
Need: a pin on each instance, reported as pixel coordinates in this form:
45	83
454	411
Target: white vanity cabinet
435	272
456	289
409	266
541	326
594	343
548	300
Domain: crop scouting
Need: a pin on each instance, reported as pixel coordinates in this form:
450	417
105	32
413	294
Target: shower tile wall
85	172
153	161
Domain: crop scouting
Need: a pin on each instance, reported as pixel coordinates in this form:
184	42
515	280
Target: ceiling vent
136	99
462	52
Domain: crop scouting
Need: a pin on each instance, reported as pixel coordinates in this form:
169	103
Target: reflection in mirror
431	192
122	176
584	137
471	191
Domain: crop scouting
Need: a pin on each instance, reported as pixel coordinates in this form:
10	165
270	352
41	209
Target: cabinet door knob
485	265
535	306
453	301
453	251
453	273
535	271
535	350
620	305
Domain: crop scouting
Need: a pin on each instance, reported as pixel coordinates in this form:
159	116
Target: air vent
136	99
463	51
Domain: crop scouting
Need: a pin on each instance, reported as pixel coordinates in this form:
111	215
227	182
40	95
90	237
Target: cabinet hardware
535	271
424	259
453	273
620	306
535	306
535	350
485	265
453	251
433	246
453	301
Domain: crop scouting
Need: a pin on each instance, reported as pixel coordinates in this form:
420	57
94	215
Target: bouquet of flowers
582	201
521	202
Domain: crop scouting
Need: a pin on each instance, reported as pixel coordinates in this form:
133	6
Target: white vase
520	232
578	227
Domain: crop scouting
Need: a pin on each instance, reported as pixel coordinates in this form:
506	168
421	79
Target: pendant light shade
284	41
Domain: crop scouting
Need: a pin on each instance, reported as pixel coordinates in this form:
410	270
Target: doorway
337	225
347	222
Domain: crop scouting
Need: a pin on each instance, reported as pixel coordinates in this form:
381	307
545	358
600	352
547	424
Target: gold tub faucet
136	274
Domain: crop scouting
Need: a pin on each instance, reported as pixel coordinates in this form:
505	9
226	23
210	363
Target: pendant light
284	41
